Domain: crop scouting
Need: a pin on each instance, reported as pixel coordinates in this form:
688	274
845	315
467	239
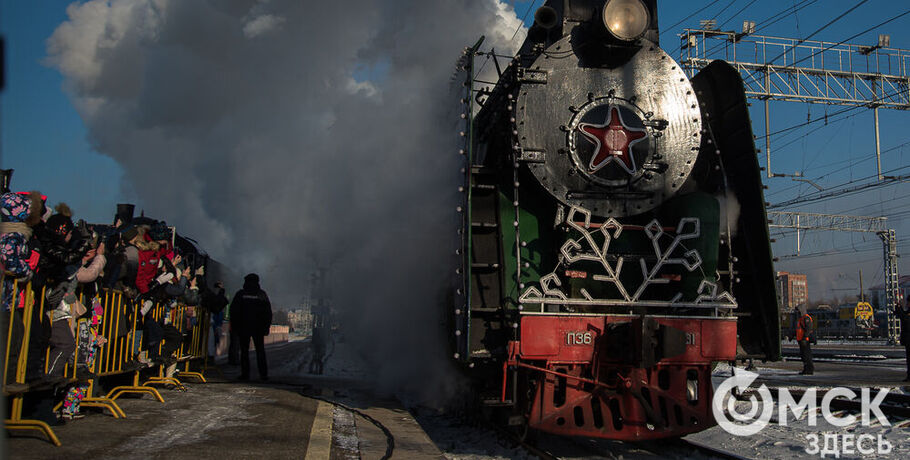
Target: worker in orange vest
804	335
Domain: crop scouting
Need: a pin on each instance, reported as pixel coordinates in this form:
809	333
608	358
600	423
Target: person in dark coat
214	301
318	341
251	317
903	314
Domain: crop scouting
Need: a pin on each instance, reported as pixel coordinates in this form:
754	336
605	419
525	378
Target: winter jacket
90	273
15	253
58	254
148	268
177	289
214	301
251	311
803	328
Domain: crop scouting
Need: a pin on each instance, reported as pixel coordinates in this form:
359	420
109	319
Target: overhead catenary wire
830	23
737	13
852	162
523	19
765	23
845	110
689	16
892	19
828	195
732	2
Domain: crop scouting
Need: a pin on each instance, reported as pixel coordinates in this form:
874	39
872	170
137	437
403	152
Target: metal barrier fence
184	331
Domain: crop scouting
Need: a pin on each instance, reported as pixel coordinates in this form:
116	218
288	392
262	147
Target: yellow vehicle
840	322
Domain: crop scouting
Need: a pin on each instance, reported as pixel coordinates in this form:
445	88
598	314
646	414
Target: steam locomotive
614	237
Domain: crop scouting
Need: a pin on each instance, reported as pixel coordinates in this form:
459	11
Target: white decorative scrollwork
594	244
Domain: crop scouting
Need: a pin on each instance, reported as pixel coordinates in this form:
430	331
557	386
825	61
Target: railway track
841	359
301	390
390	439
519	441
896	406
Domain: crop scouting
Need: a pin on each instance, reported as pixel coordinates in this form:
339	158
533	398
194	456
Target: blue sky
44	140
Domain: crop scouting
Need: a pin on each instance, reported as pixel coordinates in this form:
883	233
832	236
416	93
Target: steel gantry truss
836	222
892	294
843	223
796	70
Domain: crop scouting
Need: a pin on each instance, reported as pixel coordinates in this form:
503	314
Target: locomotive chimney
125	212
545	17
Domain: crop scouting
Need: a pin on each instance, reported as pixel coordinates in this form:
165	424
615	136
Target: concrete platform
289	417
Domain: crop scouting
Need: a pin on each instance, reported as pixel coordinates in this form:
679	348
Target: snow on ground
345	361
190	425
341	360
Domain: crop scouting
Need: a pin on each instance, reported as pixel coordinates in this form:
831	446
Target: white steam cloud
282	134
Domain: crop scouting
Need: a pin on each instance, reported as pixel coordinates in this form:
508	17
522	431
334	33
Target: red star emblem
613	141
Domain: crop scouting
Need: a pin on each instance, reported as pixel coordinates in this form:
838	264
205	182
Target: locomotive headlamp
626	19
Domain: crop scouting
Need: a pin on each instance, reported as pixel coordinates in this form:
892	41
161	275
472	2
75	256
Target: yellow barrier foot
105	403
166	381
33	425
118	391
196	375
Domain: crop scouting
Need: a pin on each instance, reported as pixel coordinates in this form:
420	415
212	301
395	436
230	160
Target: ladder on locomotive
486	258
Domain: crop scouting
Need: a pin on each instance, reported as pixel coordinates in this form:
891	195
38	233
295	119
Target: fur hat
21	207
63	208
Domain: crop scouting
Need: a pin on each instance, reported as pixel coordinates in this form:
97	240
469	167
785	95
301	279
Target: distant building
793	290
301	320
277	334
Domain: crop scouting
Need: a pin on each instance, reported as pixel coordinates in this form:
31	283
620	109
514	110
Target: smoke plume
286	135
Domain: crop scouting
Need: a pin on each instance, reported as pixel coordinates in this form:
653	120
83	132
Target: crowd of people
67	265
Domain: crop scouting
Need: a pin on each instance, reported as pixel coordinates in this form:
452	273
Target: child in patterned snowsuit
89	341
19	214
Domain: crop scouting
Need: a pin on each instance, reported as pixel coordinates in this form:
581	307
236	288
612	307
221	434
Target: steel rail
517	439
390	438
